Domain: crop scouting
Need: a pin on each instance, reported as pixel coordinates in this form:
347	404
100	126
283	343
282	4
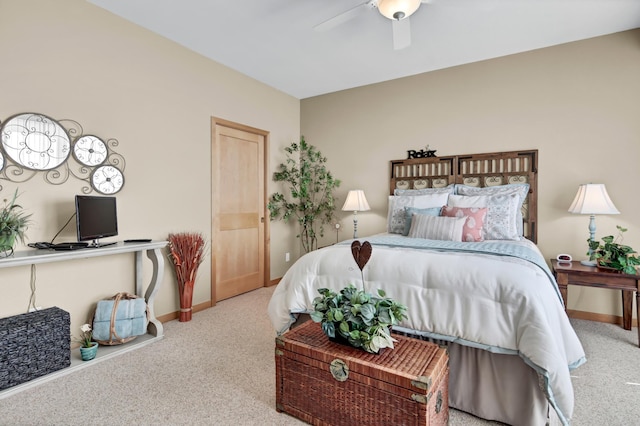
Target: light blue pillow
410	211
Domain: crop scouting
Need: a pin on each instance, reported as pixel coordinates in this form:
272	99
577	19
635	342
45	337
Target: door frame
215	121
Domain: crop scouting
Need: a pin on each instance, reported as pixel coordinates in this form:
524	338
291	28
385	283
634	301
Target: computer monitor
96	218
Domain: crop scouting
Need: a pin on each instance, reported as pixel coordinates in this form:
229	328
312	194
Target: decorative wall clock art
32	143
35	141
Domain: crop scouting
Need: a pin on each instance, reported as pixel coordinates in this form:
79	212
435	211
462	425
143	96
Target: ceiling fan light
398	9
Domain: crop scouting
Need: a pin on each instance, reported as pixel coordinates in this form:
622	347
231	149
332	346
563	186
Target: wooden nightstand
574	273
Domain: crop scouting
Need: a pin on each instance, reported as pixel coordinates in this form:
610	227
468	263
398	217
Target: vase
186	300
341	340
608	269
604	268
89	353
7	241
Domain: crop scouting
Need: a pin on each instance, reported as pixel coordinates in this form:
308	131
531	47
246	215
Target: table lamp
592	199
355	202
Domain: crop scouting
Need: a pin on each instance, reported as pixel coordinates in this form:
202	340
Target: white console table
155	329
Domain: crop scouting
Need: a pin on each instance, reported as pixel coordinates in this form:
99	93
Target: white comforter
499	303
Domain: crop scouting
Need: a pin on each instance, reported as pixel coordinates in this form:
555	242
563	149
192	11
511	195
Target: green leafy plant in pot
612	254
13	224
355	316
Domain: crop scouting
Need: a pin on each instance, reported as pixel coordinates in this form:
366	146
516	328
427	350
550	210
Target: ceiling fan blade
343	17
401	34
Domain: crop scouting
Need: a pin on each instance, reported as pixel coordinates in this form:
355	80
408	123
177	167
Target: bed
460	252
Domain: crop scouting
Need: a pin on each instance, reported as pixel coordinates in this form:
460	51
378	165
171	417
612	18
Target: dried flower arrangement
186	252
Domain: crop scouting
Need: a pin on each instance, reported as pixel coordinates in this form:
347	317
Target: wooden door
238	246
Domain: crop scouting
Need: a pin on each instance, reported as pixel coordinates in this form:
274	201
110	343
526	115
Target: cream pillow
437	227
502	211
449	189
396	215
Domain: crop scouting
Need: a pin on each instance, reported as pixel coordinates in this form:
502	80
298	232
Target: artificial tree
310	188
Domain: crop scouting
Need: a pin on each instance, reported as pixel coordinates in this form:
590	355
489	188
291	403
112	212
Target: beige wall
72	60
578	104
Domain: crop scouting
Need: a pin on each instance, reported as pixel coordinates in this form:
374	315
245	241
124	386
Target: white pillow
437	227
522	189
502	211
397	203
449	189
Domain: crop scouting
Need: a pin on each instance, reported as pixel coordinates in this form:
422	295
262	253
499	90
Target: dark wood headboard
489	169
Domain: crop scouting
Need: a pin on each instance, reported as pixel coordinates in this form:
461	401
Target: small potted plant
356	317
88	348
613	255
13	224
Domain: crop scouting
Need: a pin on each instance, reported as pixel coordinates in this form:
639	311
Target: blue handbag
120	319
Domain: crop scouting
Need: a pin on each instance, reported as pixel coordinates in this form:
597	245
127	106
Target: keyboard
69	246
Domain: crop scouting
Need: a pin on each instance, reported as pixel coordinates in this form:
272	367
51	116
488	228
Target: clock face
107	180
1	161
35	141
90	150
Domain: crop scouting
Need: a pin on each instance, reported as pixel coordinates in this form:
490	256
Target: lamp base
355	225
588	263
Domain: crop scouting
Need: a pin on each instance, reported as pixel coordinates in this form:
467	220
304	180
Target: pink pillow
472	229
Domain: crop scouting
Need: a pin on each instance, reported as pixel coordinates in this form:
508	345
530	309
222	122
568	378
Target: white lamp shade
592	198
398	9
356	201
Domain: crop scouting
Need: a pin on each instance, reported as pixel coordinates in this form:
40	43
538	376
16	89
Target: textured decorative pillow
449	189
522	189
502	210
473	227
410	211
437	227
397	203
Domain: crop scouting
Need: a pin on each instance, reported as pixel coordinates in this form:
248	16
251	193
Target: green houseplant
86	336
355	316
612	254
310	186
88	348
13	224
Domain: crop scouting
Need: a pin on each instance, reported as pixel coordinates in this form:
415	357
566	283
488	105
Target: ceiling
274	41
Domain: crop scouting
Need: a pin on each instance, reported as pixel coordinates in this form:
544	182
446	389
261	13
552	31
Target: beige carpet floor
218	369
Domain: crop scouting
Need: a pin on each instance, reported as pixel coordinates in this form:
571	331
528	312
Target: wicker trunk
326	383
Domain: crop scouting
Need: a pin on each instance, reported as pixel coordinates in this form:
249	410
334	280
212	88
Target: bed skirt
497	387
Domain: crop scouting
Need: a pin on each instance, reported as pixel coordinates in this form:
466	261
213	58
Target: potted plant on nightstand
356	317
611	254
13	224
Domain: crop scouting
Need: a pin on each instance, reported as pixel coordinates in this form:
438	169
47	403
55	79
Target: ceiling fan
396	10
